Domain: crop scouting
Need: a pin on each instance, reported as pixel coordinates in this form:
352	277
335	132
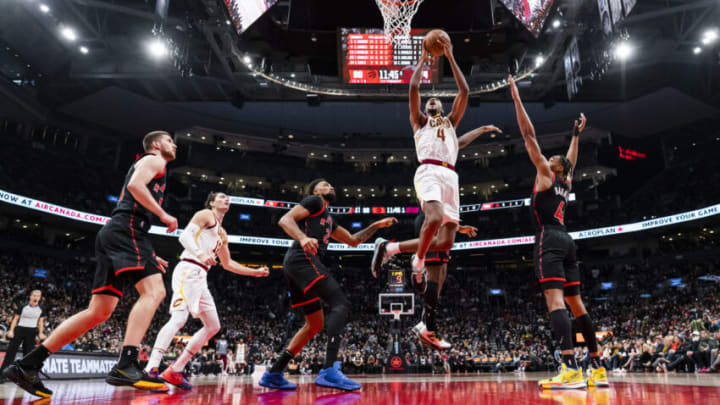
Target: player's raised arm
572	152
288	223
145	170
460	103
467	138
341	234
417	118
528	133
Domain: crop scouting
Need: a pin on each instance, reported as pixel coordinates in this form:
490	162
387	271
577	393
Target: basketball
432	43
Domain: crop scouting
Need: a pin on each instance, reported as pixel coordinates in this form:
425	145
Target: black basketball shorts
303	271
124	256
555	260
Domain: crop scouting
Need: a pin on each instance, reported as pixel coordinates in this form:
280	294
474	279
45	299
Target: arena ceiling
46	77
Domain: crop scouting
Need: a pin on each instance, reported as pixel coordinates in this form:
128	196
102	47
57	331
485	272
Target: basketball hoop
397	15
396	314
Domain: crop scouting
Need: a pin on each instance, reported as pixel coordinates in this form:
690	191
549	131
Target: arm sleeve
312	203
187	239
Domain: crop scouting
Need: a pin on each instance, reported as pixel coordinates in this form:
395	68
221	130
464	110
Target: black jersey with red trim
548	206
319	225
127	204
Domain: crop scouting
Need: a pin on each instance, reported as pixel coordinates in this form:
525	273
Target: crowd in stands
674	329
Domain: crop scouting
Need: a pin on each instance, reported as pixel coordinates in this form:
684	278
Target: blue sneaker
276	381
334	378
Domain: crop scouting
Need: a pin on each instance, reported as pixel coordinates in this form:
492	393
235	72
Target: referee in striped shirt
28	322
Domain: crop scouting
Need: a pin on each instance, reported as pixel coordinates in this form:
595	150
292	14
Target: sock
34	360
182	360
164	338
392	248
282	362
431	300
569	360
128	355
595	362
588	331
562	328
332	351
156	357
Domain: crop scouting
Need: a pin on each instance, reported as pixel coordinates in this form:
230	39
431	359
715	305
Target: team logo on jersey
561	192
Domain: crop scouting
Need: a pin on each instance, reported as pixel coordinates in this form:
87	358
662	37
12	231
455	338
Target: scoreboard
367	58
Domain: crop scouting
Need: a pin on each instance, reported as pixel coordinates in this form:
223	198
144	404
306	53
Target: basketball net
398	15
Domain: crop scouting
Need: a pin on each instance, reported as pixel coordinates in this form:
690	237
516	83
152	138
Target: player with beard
311	283
125	256
555	259
436	182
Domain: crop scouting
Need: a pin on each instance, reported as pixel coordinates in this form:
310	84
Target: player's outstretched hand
163	263
580	126
447	46
309	245
513	88
386	222
170	221
468	230
262	272
491	128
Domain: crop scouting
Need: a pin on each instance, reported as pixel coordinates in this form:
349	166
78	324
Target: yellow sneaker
568	379
598	378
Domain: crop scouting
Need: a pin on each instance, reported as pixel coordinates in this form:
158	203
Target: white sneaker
419	329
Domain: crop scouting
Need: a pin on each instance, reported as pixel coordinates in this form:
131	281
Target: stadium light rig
623	50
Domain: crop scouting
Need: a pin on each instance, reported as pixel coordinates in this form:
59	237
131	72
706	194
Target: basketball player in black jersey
436	264
311	284
555	260
125	257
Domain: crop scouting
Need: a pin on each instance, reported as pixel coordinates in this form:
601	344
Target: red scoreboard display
367	58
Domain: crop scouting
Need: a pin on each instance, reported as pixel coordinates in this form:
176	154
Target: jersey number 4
440	134
559	214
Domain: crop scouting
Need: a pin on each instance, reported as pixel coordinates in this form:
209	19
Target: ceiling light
44	8
247	60
697	50
84	50
710	36
539	60
556	23
68	33
292	74
157	48
623	50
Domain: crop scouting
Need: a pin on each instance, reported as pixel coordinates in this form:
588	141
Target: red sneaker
175	378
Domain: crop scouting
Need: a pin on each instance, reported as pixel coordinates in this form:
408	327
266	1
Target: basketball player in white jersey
436	183
203	240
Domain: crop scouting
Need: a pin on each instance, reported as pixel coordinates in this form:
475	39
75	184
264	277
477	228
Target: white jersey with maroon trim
208	240
437	141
